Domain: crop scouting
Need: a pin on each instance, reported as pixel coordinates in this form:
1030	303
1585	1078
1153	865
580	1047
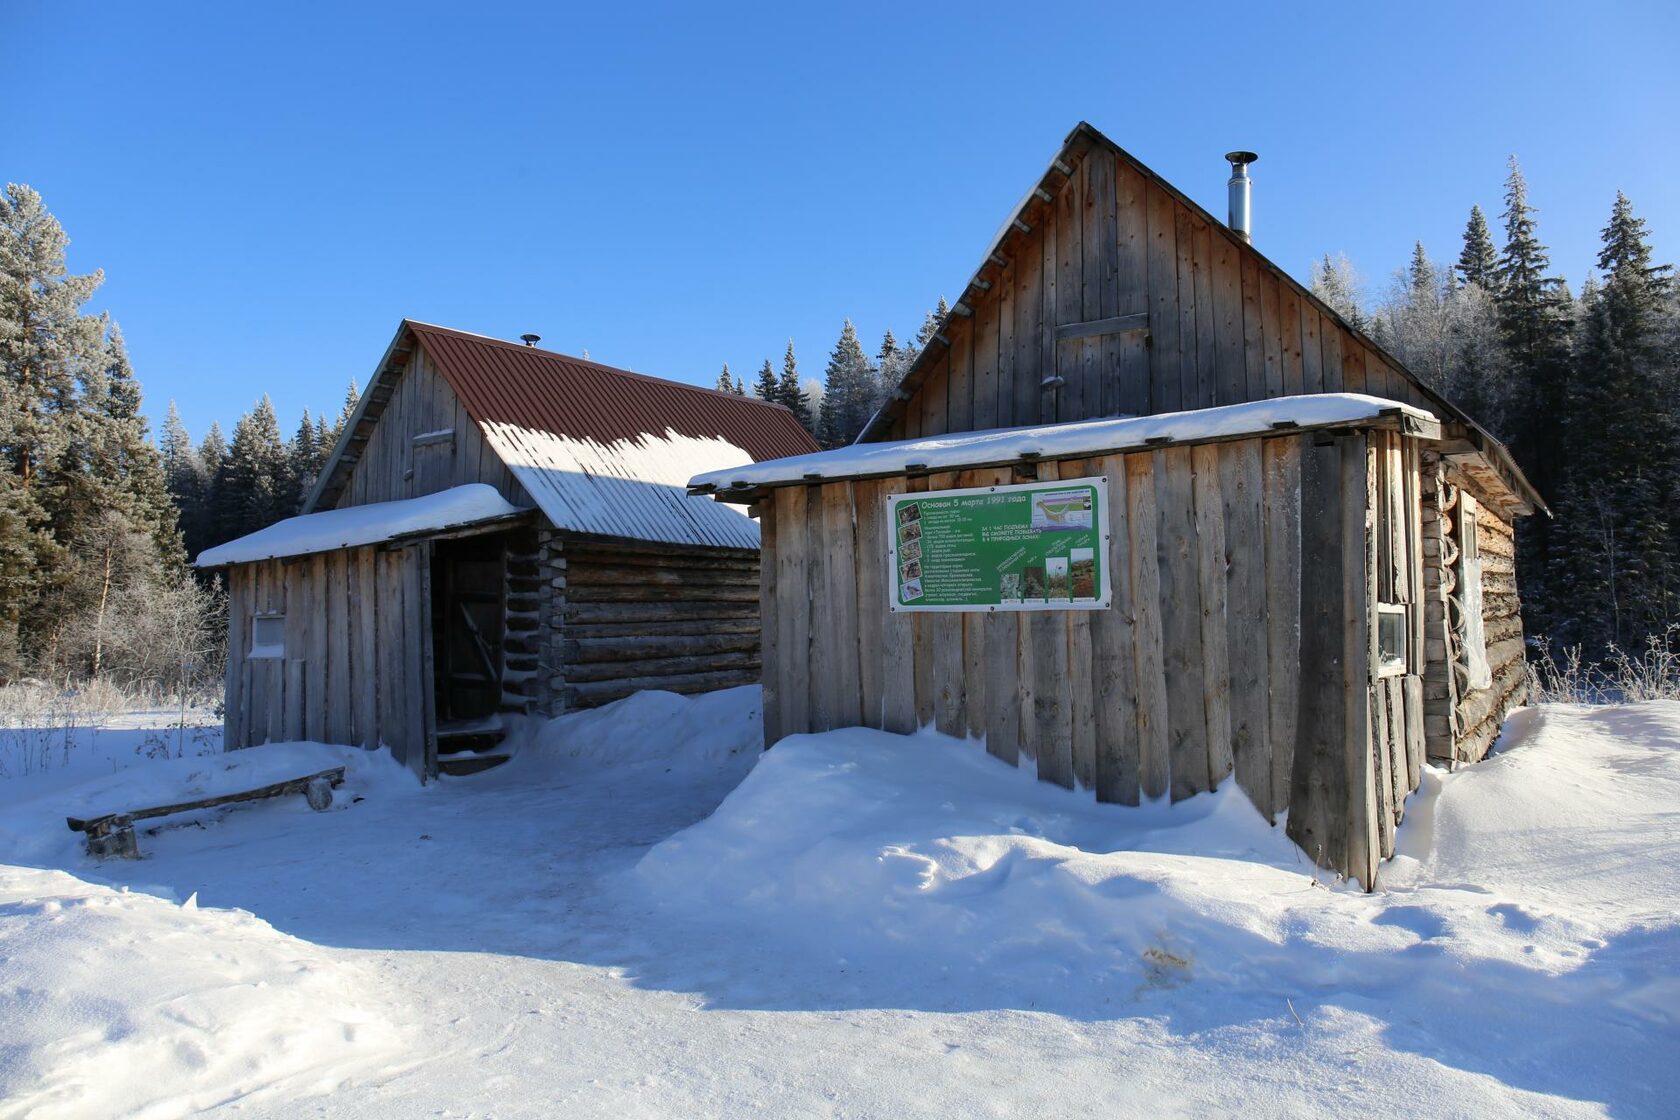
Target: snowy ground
634	919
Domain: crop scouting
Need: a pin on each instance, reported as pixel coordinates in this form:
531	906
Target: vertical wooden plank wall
1224	326
390	467
352	672
1192	674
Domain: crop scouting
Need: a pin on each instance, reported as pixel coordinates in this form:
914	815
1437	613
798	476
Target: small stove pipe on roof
530	339
1241	190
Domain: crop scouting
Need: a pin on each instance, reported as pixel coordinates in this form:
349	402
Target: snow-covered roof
635	488
1086	437
360	525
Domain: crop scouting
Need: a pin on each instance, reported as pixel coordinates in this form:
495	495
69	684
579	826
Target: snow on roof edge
1050	441
354	526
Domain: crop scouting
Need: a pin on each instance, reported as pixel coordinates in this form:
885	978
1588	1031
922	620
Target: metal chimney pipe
530	339
1241	190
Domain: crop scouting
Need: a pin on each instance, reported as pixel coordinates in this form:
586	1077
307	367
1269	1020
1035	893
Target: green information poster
1035	547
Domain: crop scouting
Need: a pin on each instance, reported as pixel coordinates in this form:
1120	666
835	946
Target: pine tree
1478	263
765	388
790	392
725	383
740	388
84	512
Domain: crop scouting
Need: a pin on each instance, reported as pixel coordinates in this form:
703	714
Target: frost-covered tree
931	324
1336	283
725	382
850	391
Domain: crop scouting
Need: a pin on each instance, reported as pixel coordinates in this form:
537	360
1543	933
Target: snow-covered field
633	919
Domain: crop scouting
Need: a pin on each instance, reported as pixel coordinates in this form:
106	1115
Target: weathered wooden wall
391	465
618	616
1359	749
356	668
1203	668
1137	304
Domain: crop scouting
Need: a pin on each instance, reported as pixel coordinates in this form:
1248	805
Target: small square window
268	635
1391	639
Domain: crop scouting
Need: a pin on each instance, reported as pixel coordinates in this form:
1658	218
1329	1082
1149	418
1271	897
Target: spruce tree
1478	262
790	392
849	391
765	388
1617	563
1534	313
1335	283
932	323
725	383
304	455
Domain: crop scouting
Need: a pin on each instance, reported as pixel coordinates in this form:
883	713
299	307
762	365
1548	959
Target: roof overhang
462	511
1278	416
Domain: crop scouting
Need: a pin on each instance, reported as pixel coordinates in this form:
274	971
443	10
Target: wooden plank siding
351	617
390	466
1238	641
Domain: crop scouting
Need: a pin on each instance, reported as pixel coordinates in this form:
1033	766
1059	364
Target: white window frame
271	627
1395	667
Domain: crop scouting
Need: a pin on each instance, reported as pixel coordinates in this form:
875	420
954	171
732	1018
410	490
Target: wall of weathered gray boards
355	670
391	465
1140	305
1246	578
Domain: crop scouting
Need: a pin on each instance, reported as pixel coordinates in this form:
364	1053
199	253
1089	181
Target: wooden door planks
1283	536
1148	637
1212	567
1113	652
1181	622
1242	488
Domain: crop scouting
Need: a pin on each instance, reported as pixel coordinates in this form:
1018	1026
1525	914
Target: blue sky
270	188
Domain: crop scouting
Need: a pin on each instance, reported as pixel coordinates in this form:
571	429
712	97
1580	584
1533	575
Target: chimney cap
1241	157
530	339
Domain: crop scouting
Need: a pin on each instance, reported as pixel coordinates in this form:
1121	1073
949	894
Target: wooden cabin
500	529
1174	520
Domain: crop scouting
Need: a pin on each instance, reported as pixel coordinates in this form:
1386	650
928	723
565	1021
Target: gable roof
599	450
1078	143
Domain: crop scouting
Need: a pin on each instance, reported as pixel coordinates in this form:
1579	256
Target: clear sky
271	187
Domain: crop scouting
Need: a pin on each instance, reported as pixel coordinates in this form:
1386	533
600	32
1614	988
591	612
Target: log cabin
1151	515
499	529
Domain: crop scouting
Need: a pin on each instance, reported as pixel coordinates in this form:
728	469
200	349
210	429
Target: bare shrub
1620	678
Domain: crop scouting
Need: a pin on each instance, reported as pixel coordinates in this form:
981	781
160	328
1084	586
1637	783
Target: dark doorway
469	581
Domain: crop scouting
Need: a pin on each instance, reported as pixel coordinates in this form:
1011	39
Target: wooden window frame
272	650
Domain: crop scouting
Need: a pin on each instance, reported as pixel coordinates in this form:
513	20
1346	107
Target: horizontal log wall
391	466
622	616
356	668
1119	298
1479	714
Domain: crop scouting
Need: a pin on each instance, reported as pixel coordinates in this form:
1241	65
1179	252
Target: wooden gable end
1112	294
411	437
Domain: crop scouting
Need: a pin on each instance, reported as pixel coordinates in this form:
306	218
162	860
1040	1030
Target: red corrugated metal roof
508	383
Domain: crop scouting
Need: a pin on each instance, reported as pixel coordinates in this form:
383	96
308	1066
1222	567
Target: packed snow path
863	926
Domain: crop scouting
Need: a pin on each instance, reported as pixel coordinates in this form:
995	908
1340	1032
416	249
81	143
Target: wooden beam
1119	324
